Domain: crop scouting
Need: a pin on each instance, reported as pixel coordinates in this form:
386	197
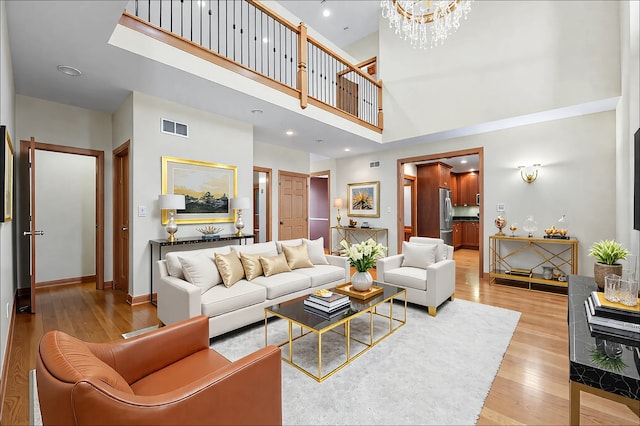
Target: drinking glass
628	294
612	287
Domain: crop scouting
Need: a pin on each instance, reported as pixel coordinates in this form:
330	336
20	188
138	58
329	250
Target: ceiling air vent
374	164
174	128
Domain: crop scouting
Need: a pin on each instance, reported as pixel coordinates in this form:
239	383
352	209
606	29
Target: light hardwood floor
532	385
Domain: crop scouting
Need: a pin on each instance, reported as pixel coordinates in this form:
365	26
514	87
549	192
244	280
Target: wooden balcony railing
248	38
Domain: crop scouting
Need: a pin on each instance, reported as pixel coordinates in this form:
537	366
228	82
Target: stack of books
609	319
327	307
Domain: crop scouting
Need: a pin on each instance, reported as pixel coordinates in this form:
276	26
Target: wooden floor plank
531	387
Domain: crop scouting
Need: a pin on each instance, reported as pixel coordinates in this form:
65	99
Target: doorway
293	202
56	160
404	167
319	206
121	217
262	204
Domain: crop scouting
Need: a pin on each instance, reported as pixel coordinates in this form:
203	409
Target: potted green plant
607	254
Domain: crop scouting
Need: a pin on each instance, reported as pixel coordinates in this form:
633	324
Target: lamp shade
240	203
337	202
171	201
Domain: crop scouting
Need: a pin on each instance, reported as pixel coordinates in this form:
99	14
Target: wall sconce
171	203
337	202
239	204
529	173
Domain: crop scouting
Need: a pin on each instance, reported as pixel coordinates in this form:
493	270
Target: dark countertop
466	219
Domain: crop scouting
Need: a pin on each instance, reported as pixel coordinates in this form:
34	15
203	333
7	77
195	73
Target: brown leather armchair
167	376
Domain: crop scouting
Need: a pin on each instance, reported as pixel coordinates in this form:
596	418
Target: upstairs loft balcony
251	40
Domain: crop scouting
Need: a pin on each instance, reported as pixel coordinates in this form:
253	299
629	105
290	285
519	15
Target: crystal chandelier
415	19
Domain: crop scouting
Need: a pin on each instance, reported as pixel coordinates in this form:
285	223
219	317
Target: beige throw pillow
200	271
297	257
230	268
418	255
272	265
315	248
251	264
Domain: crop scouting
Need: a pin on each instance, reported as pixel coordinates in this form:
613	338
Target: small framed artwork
363	199
207	188
6	175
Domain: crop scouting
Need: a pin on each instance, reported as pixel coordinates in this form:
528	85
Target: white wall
7	118
212	139
66	212
509	58
580	186
278	158
59	124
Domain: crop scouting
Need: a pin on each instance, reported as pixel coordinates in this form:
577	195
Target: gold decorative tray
347	289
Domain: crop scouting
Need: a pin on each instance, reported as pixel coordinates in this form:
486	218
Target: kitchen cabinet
457	235
468	189
471	235
430	179
454	178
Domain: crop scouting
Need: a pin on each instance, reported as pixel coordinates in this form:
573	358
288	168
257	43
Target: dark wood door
121	218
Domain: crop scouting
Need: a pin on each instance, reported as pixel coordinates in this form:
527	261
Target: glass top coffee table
362	325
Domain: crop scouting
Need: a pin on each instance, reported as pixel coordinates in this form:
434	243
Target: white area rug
434	371
431	371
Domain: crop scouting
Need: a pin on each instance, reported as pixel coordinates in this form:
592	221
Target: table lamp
239	203
171	203
337	202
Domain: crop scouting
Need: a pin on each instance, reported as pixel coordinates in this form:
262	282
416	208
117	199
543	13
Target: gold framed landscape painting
6	175
207	188
363	199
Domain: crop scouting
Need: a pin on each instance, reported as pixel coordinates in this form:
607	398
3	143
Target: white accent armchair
425	268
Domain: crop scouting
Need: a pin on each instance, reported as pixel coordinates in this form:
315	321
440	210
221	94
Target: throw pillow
272	265
418	255
251	264
441	253
230	268
316	251
297	256
200	271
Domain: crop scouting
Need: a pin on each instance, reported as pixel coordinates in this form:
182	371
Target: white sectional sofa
194	282
425	268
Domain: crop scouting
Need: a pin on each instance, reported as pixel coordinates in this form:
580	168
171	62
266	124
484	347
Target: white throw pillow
441	253
418	255
201	271
316	251
290	243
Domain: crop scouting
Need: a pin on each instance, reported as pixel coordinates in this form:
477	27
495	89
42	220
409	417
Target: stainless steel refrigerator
446	216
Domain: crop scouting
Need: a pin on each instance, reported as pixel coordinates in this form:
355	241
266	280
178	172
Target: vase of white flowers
362	256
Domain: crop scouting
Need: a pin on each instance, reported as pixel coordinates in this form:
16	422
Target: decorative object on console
352	222
513	228
530	226
363	256
413	19
363	199
209	232
171	203
500	223
529	173
607	254
238	204
337	202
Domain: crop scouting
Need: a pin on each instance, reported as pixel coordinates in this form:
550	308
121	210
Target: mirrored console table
159	248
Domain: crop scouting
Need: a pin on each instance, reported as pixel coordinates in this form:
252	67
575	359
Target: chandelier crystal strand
410	19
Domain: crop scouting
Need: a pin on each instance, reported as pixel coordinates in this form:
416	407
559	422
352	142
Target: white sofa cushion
315	248
441	251
283	283
292	243
265	249
323	274
418	255
200	271
174	267
407	277
220	300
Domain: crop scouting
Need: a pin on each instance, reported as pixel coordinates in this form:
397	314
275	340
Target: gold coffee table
360	310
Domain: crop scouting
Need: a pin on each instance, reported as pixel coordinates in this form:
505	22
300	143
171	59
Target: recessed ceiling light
289	132
347	149
66	69
326	13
